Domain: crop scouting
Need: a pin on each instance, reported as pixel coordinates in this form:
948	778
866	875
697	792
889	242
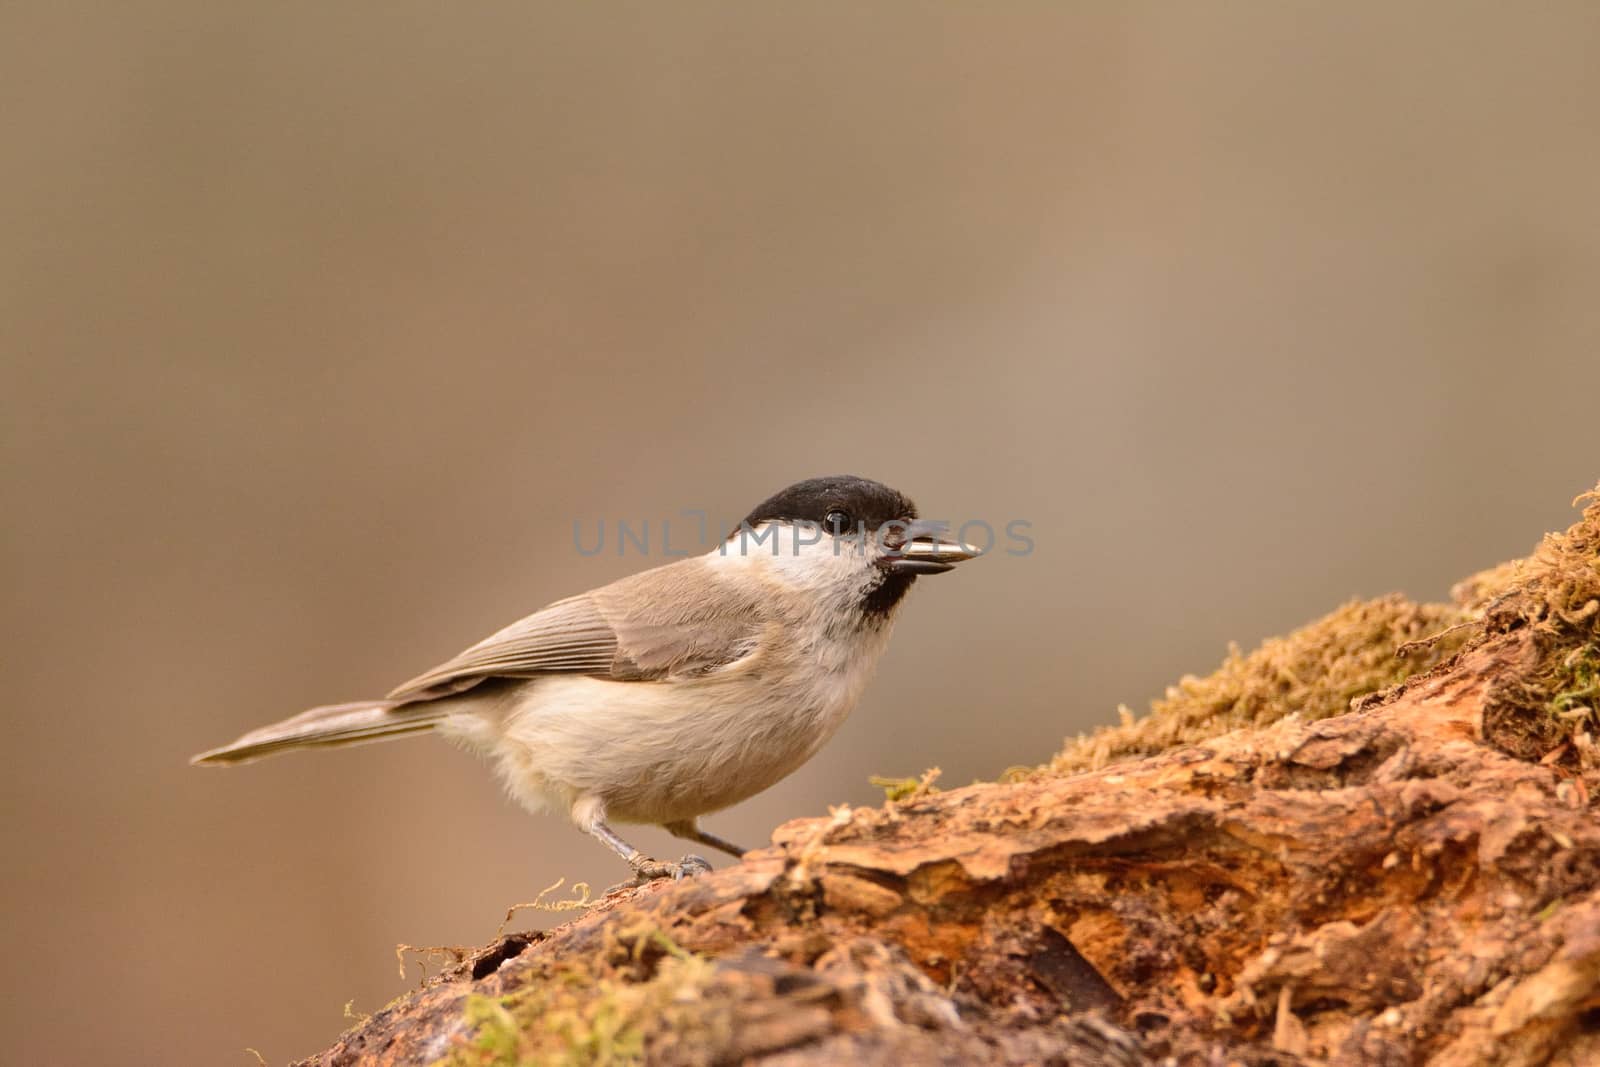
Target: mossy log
1416	880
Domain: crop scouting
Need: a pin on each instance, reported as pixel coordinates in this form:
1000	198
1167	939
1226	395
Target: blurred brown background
321	324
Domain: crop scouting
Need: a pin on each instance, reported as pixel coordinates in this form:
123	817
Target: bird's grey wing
682	619
567	636
642	628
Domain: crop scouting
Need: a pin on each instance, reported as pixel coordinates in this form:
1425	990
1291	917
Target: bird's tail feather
326	727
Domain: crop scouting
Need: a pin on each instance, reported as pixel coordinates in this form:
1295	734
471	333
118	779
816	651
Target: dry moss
1556	591
1553	595
1319	669
1314	672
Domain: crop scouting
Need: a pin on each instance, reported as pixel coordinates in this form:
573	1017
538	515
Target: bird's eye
839	522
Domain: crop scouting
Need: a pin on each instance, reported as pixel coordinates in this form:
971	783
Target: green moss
496	1037
899	789
1577	695
571	1018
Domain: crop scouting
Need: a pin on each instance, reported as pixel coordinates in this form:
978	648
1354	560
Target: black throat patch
881	600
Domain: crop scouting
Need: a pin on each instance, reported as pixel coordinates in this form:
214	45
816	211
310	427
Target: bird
674	692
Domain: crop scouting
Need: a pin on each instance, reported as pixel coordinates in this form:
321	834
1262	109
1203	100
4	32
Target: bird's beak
923	552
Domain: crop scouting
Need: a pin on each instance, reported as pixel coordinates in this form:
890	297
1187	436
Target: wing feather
645	627
568	636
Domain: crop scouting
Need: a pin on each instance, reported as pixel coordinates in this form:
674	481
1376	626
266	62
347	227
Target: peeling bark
1382	887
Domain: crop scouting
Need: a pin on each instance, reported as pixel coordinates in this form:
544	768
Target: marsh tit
677	691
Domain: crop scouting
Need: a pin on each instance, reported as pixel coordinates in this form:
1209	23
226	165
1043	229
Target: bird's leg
689	830
646	869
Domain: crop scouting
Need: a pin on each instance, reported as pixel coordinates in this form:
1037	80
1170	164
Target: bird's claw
647	870
690	866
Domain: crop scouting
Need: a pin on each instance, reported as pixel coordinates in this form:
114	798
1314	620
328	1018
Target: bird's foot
647	870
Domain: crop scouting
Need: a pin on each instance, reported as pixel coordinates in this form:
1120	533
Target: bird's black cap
862	500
